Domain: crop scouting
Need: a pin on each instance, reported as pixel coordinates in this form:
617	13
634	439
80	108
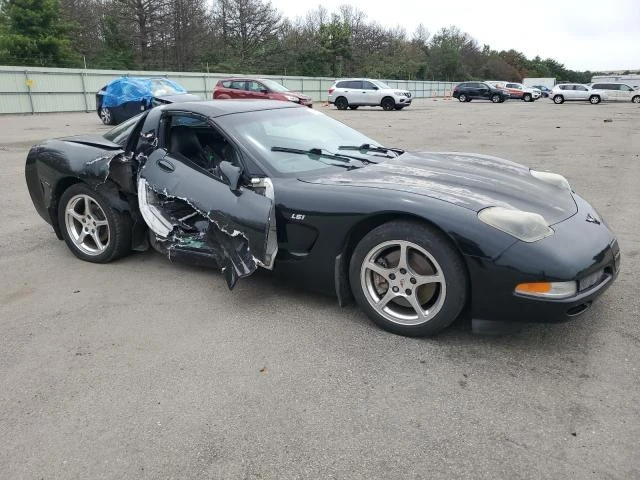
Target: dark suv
467	91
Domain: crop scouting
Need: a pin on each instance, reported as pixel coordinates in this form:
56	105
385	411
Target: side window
598	86
355	84
368	86
341	85
193	140
237	85
626	88
226	84
581	88
256	86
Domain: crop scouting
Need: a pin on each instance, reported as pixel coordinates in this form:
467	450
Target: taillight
331	90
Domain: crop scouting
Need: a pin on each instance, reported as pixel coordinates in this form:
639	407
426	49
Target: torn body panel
174	199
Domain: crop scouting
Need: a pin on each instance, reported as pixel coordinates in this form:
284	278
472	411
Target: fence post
27	82
204	77
84	93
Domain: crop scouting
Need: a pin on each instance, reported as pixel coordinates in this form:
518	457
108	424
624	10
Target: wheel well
388	97
363	227
60	188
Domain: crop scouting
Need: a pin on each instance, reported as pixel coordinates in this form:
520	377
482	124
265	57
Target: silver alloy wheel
87	225
594	100
403	282
495	99
462	97
105	116
636	99
557	99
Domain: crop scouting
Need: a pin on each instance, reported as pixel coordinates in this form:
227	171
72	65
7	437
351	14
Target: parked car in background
125	97
543	89
259	89
617	92
569	92
358	92
467	91
518	90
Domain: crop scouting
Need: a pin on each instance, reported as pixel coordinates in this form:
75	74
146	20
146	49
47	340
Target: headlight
526	226
548	289
398	93
552	178
291	98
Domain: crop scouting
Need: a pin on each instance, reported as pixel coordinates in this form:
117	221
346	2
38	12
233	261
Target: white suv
356	92
575	91
617	92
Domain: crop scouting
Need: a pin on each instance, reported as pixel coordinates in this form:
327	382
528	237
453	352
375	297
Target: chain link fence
41	90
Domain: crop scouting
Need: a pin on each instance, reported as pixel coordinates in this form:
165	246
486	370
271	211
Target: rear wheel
388	104
496	98
527	97
462	97
594	99
93	230
341	103
558	99
636	99
354	107
408	278
106	115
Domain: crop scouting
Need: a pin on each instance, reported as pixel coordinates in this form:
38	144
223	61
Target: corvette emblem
591	219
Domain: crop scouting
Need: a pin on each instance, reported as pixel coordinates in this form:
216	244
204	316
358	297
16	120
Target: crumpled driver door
190	211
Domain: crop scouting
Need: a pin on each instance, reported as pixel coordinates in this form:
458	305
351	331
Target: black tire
388	104
399	107
496	98
341	103
106	115
636	99
117	230
594	99
354	107
462	97
449	296
527	97
558	99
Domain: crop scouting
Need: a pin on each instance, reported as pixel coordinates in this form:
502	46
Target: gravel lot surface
145	369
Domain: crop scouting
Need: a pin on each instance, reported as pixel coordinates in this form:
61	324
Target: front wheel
462	97
527	97
93	230
408	278
594	99
496	98
388	104
106	115
636	99
558	99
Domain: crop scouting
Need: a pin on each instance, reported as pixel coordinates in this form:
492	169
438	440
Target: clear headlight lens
398	93
526	226
548	289
552	178
291	98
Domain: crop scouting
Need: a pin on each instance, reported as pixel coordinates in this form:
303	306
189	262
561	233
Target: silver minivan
617	92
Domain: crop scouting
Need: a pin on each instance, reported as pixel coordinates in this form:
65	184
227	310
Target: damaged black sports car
416	238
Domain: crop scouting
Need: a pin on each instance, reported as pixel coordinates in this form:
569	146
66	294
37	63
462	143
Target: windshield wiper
318	153
367	147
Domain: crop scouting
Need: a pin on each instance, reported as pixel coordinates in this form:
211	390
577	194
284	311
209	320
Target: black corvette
416	238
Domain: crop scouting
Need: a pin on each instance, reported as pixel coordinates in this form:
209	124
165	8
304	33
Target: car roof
218	108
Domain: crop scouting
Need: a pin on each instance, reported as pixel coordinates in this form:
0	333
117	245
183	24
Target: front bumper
576	251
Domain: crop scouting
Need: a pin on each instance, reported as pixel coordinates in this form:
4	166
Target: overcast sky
581	34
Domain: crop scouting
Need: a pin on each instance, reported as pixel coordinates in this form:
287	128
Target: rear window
349	84
603	86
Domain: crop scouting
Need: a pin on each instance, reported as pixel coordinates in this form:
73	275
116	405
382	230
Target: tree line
249	36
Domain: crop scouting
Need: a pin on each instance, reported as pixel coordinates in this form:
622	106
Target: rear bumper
577	250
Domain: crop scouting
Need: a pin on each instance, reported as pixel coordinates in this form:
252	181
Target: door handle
166	165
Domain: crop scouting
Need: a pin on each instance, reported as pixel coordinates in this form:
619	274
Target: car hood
296	94
182	97
471	181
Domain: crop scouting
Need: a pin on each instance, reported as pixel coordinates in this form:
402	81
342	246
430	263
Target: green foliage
249	36
33	34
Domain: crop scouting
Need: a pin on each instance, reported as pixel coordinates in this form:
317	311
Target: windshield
292	128
274	86
161	87
381	84
122	132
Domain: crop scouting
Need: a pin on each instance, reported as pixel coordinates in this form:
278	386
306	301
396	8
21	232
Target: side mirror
231	174
264	90
375	88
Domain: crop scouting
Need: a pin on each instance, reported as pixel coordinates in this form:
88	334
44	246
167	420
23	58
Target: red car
261	88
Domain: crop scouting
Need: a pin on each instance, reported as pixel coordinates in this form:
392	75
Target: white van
617	92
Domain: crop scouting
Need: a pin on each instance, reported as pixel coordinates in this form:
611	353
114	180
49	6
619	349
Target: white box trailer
545	82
